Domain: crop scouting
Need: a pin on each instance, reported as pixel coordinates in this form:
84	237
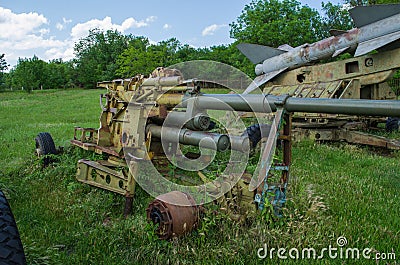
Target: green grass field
335	190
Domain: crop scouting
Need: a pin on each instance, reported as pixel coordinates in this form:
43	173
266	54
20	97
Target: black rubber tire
256	132
44	142
11	249
392	124
212	125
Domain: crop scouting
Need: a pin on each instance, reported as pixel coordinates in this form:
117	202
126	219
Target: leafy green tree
96	56
3	67
370	2
3	63
188	53
274	22
134	60
33	73
336	17
141	57
30	74
60	74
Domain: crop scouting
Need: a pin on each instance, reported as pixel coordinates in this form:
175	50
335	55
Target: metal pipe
179	119
268	103
238	102
240	143
217	141
163	81
169	99
344	106
145	95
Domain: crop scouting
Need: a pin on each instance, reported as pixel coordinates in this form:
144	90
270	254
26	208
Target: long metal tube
268	103
220	142
345	106
199	122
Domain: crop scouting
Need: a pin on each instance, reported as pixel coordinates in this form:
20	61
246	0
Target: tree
33	73
336	17
96	56
3	66
371	2
134	59
141	57
30	74
273	23
60	74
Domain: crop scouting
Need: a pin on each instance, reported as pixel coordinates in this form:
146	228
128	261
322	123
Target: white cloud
151	19
32	42
130	23
210	30
59	26
81	29
167	26
25	34
17	26
152	42
44	32
66	53
24	31
67	21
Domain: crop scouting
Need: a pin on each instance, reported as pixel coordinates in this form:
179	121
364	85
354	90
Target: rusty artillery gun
146	124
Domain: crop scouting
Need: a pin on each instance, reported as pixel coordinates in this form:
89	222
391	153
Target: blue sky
49	28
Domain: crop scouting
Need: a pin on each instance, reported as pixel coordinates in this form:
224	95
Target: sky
49	28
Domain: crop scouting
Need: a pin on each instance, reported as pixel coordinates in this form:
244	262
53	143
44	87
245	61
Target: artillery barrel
268	103
217	141
198	122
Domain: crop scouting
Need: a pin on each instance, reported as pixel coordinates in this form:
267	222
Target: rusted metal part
163	111
369	70
286	139
172	218
128	205
87	135
98	175
238	203
363	40
307	53
86	146
357	137
96	148
268	152
349	136
272	190
86	138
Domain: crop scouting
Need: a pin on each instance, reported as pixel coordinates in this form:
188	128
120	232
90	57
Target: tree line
107	55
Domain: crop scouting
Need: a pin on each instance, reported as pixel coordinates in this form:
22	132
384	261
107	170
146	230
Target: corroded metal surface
381	33
172	218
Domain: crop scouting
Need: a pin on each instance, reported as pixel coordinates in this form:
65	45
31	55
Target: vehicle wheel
45	146
11	250
256	132
392	124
